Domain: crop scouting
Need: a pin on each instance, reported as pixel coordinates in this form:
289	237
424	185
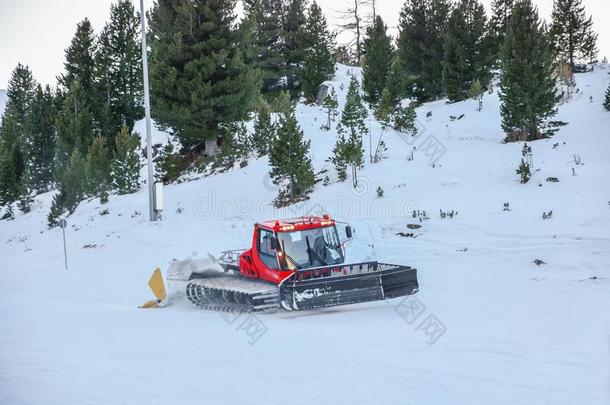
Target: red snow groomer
293	264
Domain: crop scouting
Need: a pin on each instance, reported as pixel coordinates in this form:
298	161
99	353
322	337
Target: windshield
311	248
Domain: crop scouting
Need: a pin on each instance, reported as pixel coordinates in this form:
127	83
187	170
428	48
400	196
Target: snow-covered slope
508	331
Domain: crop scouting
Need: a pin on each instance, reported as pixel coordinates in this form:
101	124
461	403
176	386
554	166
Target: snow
509	331
3	98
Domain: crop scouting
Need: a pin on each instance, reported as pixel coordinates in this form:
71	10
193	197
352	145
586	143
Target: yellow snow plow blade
158	288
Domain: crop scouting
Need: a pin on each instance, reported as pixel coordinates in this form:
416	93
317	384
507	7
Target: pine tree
466	50
236	146
352	127
421	43
40	130
572	33
501	11
98	169
378	58
319	61
330	103
168	164
392	92
80	64
294	42
289	158
125	167
264	19
118	73
74	127
12	174
73	181
57	210
527	82
199	80
403	119
264	131
607	99
13	136
71	188
476	92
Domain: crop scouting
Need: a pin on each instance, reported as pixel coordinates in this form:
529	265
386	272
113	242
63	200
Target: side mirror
348	232
275	243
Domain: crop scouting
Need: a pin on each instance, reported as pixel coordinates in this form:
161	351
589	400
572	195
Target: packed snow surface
488	326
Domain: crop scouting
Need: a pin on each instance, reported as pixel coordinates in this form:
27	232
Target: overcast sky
37	32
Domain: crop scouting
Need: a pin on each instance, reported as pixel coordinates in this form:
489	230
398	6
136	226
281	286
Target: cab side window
267	254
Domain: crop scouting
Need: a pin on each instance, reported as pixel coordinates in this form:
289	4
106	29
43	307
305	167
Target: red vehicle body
254	264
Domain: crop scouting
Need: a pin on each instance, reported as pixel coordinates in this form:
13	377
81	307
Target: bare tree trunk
357	19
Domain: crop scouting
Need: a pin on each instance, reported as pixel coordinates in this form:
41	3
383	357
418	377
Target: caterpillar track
217	291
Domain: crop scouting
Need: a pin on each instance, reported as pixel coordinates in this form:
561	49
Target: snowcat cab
280	248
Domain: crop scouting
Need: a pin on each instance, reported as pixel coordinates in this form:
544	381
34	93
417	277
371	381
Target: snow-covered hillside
509	331
2	101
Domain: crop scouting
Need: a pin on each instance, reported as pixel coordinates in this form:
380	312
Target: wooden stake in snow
62	225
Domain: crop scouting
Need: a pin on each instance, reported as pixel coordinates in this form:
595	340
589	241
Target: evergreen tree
264	131
125	167
79	64
74	127
199	80
57	210
73	181
98	169
71	188
572	33
403	119
168	164
13	136
348	150
289	158
378	58
392	92
527	82
12	175
319	61
40	130
501	11
330	103
119	69
264	19
466	51
421	48
294	41
607	99
476	92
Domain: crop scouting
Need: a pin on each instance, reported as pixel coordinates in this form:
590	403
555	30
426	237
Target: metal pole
63	232
151	182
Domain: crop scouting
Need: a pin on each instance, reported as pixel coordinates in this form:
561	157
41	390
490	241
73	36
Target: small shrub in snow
104	212
524	167
448	214
547	215
524	171
421	215
552	179
539	262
